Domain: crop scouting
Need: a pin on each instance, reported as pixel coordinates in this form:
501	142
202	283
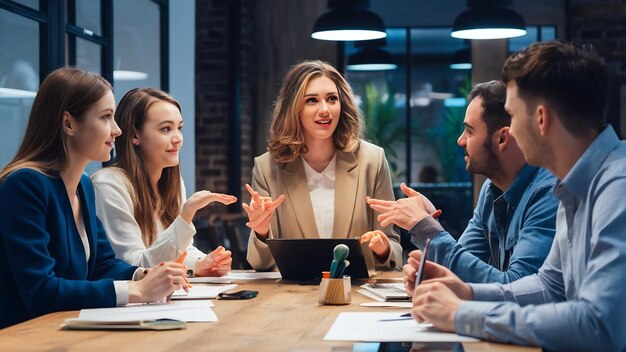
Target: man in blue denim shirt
556	95
511	231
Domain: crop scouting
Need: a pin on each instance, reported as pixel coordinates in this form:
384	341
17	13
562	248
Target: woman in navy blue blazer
54	254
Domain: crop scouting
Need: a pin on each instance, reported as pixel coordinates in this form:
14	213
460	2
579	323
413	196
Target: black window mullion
165	43
107	34
52	36
25	11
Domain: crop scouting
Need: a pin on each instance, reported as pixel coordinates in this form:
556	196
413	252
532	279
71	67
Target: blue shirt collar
514	194
578	179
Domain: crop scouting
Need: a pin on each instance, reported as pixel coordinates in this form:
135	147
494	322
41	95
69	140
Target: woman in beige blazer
314	180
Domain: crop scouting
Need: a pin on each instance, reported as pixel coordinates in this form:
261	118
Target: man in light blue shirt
556	95
511	231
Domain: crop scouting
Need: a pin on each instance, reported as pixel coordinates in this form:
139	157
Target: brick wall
603	24
212	94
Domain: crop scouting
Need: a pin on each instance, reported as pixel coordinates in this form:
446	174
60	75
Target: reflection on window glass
88	58
19	79
381	97
136	53
87	15
548	33
533	34
88	55
438	107
34	4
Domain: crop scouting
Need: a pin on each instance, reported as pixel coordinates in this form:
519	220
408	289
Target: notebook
158	324
385	292
305	259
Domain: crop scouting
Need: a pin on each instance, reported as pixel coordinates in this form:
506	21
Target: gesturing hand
216	263
405	212
378	243
200	200
260	211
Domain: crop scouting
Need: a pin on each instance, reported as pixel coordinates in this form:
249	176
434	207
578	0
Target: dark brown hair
571	79
493	95
44	147
131	115
286	140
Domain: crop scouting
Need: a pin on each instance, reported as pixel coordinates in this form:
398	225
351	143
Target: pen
420	271
181	258
179	261
437	213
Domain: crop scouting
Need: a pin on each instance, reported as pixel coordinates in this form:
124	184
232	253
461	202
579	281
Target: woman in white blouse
141	198
315	177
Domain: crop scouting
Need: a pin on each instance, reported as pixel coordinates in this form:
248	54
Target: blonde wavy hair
286	139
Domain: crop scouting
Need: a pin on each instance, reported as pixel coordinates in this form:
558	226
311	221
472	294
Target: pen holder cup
335	291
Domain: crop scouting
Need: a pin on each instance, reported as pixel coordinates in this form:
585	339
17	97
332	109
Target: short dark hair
493	95
571	78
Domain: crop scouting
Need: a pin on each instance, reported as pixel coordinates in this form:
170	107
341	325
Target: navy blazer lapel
297	192
90	224
346	185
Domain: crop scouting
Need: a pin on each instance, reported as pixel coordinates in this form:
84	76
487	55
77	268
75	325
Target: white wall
182	80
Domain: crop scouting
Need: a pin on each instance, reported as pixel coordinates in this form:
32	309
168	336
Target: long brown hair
44	147
131	115
286	140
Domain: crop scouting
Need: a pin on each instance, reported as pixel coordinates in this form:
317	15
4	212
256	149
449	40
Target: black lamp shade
371	59
344	24
488	22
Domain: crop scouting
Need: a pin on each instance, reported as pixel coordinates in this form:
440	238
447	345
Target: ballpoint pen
420	271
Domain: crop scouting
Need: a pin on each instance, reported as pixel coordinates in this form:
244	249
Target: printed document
387	327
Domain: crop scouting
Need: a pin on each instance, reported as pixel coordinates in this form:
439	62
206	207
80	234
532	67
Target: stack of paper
253	275
384	292
159	324
188	311
202	291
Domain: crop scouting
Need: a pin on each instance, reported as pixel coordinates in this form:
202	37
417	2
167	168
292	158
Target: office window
84	41
137	49
34	4
88	56
19	78
422	126
86	14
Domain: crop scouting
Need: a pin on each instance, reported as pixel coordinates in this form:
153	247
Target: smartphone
419	276
244	294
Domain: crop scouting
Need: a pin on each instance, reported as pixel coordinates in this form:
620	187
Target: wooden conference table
283	317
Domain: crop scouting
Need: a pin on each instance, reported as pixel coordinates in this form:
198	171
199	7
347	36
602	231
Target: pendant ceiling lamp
348	20
371	59
488	19
461	60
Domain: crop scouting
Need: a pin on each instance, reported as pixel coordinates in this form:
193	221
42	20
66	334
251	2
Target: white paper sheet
370	327
209	280
254	275
189	311
387	304
200	291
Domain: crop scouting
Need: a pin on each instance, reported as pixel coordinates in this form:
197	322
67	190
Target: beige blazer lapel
346	185
297	192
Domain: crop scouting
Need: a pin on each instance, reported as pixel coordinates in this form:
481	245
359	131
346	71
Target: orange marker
180	261
181	258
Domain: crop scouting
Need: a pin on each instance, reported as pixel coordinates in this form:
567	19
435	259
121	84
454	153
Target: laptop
305	259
